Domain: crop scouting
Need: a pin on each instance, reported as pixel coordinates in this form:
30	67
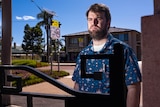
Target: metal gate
117	97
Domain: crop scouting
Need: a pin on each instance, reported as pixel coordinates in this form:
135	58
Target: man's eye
99	18
89	19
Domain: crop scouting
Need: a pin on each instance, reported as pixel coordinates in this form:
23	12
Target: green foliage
32	79
33	42
56	74
28	78
46	21
28	62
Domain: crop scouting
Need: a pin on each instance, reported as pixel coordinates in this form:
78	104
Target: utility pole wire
37	5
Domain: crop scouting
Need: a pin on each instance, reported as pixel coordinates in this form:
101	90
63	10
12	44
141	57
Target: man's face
97	25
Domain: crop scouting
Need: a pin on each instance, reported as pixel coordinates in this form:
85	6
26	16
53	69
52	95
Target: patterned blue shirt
132	74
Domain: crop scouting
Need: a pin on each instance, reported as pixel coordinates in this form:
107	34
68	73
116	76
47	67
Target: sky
71	14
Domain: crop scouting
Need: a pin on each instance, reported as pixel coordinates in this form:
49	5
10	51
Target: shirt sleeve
133	73
76	73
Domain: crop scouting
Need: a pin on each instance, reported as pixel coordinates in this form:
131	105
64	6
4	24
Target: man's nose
95	21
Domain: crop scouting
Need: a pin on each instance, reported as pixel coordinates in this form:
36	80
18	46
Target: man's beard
98	35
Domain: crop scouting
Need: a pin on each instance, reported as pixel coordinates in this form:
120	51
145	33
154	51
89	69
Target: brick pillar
150	26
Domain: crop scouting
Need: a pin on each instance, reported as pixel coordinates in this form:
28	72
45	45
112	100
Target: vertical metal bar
117	77
83	66
1	104
29	101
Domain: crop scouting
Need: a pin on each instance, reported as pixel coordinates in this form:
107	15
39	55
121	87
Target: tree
47	20
33	40
57	44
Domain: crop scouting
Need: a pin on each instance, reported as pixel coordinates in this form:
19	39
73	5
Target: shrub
28	78
28	62
33	79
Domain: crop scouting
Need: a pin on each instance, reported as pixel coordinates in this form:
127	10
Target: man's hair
100	8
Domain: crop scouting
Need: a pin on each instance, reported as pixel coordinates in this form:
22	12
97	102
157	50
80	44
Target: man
99	19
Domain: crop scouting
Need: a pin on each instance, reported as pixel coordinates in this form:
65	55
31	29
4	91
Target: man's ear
108	24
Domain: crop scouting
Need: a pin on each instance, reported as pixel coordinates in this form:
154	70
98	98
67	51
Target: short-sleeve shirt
132	71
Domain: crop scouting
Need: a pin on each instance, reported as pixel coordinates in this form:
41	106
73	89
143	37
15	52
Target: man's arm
76	86
133	95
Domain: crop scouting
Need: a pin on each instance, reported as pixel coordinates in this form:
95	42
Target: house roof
15	51
78	33
112	30
115	29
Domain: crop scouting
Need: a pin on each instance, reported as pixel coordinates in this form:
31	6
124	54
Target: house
75	42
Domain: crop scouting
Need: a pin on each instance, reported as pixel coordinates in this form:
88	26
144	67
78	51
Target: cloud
28	18
25	18
18	18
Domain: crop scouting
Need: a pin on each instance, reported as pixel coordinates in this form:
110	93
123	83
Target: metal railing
117	97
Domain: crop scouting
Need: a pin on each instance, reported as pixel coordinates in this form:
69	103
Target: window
81	42
73	41
122	37
125	37
138	37
116	36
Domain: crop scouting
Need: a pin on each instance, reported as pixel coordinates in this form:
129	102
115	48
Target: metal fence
117	97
